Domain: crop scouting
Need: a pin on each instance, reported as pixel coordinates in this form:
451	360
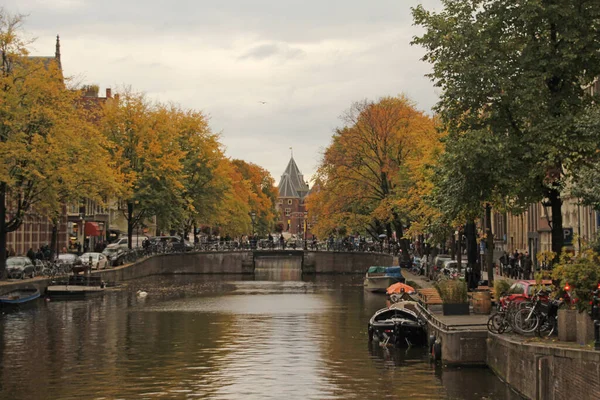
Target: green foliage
512	75
501	286
581	272
452	291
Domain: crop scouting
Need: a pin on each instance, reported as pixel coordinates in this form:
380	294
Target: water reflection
220	337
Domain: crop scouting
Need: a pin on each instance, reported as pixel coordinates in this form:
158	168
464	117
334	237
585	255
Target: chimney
108	93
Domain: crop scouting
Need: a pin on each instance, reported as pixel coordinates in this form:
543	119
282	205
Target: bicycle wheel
526	320
495	322
546	327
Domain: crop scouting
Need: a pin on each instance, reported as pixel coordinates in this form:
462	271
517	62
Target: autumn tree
513	72
203	184
43	136
368	175
262	194
143	141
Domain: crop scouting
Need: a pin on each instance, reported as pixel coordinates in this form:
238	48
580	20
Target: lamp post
304	226
253	240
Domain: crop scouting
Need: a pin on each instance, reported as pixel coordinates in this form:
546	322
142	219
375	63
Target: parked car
95	260
173	242
69	260
123	243
19	267
523	290
115	256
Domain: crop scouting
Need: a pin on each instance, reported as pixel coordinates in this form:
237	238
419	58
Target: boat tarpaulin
394	272
377	270
400	288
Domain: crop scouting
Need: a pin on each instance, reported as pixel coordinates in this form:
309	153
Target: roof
292	182
286	189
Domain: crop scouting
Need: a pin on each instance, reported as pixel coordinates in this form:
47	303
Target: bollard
597	335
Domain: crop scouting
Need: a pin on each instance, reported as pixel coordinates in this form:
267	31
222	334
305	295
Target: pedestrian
31	254
527	266
282	242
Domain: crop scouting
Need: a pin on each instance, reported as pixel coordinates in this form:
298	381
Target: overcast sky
307	59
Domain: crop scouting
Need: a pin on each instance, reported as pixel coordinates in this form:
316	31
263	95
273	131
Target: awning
92	229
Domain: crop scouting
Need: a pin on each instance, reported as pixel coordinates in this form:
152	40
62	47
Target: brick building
290	203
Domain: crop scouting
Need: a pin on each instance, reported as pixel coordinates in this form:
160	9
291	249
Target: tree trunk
558	239
130	224
452	246
3	230
459	251
400	236
472	250
54	239
489	244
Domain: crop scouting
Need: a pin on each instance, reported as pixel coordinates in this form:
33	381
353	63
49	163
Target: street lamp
253	217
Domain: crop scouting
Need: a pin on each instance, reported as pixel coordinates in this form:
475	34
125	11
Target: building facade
291	207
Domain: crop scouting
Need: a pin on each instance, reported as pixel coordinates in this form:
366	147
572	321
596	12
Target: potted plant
581	273
454	297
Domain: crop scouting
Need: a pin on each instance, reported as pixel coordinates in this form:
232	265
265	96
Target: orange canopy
398	288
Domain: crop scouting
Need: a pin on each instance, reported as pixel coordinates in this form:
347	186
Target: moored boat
378	279
76	286
397	326
19	297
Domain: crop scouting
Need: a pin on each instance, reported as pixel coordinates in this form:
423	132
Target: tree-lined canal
273	335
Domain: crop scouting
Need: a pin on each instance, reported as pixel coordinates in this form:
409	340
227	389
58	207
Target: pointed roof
295	176
286	188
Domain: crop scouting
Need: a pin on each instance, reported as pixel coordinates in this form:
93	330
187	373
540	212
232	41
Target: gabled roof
286	189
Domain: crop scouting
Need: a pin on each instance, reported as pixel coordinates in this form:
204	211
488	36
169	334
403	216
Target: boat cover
377	270
394	272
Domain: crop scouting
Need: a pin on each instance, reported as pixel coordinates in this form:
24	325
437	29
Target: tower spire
57	52
292	152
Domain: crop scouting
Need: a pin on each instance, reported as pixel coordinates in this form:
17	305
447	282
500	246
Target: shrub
452	291
501	286
582	273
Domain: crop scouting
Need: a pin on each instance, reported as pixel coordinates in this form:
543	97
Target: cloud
308	59
268	50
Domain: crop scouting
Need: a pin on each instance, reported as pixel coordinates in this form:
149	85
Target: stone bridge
232	262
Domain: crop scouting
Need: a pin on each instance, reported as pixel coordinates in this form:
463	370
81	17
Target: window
289	202
288	211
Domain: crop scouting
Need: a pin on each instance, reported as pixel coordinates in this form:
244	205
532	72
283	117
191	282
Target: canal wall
328	262
545	371
460	344
237	262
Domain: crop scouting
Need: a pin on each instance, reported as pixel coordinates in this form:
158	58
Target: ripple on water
213	338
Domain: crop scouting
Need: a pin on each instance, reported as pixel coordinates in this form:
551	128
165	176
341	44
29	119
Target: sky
270	74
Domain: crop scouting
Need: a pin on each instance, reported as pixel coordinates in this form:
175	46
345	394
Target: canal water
271	336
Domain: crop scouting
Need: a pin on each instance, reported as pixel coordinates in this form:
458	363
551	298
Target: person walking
31	254
282	242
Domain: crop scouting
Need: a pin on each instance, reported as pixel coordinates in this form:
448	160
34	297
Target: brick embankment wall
541	371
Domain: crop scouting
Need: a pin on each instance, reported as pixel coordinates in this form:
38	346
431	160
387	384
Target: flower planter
567	325
585	328
455	309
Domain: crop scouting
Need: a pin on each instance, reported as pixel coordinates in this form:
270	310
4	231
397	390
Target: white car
96	260
123	243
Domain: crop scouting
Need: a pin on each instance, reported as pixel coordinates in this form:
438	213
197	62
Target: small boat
378	279
76	286
19	297
397	326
